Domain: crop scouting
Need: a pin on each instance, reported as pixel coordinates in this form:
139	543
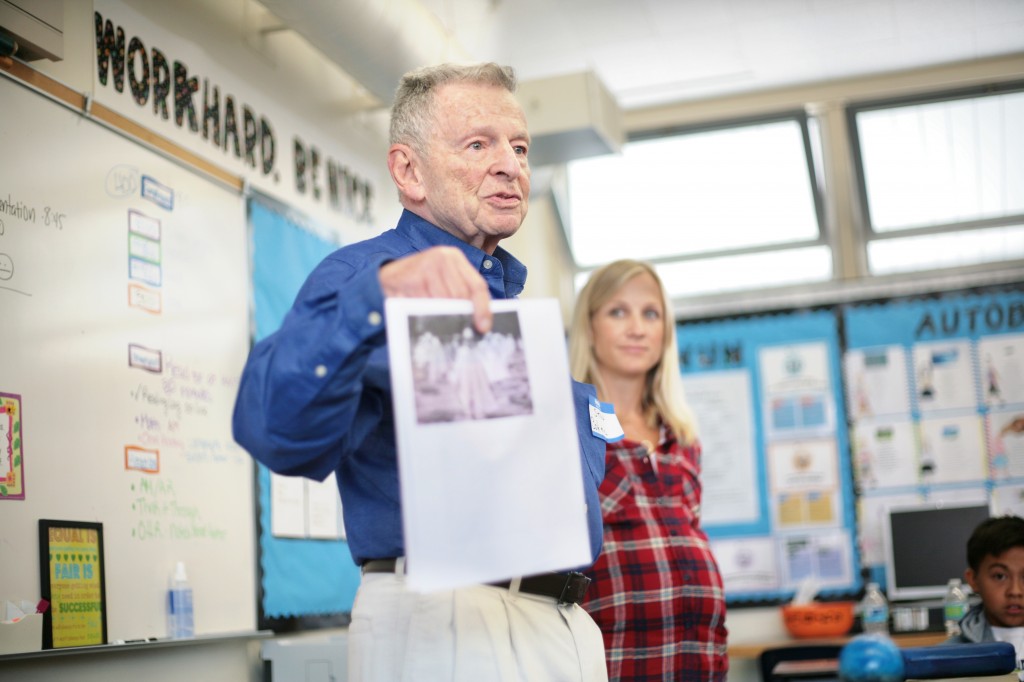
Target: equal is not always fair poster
72	554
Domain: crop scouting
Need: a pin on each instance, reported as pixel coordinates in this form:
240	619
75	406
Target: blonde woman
656	593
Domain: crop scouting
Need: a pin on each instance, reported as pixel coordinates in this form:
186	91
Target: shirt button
320	371
488	264
374	318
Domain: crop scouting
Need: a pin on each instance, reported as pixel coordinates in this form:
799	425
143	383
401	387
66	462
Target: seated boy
995	559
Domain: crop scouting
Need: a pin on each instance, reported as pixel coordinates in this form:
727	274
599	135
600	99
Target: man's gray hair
412	113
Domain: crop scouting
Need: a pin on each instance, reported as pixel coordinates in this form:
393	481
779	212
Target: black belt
567	588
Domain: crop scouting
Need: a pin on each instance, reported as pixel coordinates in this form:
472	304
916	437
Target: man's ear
403	163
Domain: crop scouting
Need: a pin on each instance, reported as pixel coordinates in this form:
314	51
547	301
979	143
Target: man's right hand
439	272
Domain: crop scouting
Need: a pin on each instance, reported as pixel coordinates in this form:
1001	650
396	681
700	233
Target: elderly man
315	396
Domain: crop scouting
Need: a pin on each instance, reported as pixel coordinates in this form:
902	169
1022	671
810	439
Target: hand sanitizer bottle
179	605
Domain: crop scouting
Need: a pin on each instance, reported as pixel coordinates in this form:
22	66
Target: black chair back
769	658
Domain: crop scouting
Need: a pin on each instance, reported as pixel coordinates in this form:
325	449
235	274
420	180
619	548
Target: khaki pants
473	634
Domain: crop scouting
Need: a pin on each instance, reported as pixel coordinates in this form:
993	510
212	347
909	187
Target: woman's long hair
663	396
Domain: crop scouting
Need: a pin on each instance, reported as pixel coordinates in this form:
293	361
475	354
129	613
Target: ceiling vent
570	117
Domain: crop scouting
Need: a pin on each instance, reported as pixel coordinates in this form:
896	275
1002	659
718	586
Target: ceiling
656	52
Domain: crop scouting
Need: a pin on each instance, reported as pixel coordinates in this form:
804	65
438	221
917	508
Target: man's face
999	581
475	174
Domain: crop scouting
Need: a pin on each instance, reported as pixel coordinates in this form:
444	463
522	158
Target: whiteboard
123	331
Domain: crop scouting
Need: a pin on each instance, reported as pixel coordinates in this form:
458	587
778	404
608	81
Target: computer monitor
926	545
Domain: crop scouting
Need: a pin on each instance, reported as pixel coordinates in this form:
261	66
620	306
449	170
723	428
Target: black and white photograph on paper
486	425
459	373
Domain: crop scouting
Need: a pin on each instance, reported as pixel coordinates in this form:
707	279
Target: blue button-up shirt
315	396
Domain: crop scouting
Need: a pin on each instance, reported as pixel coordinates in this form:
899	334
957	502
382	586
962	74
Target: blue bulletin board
778	496
813	421
935	385
298	576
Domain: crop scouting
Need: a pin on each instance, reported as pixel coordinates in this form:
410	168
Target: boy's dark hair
994	536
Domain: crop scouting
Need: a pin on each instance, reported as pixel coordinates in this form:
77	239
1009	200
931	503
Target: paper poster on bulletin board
936	394
777	491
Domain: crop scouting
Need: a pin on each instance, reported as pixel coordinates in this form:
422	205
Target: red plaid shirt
657	594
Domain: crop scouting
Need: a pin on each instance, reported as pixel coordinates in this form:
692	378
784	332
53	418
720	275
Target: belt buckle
576	585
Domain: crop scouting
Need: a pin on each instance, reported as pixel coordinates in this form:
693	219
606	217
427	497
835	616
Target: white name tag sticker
603	422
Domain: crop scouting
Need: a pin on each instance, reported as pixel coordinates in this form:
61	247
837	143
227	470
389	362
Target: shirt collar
423	234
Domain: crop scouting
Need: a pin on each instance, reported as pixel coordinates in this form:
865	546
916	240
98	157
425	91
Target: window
720	209
942	178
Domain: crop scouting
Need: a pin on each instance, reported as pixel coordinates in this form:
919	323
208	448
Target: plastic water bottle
874	611
954	606
180	624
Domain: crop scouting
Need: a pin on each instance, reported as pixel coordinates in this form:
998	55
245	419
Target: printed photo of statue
461	374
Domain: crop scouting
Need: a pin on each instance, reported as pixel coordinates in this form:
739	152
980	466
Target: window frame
836	192
799	116
868	231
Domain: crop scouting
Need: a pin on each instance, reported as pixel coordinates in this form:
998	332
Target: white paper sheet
304	508
797	390
1008	500
803	465
1002	369
488	452
952	450
323	510
287	506
885	453
747	564
1006	442
944	378
823	556
722	403
804	483
876	382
